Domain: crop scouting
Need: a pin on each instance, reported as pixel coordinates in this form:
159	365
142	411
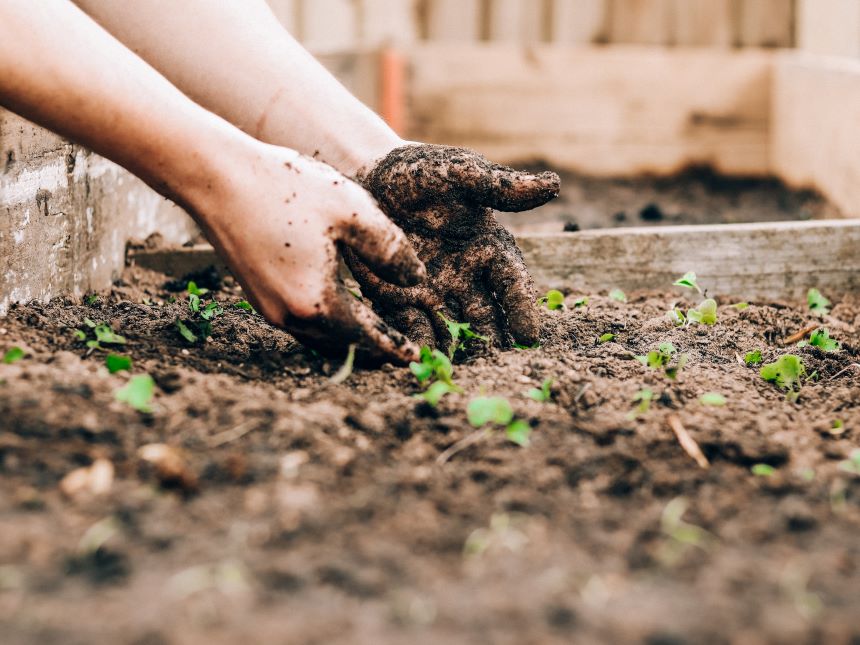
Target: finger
481	311
504	188
382	245
514	289
415	324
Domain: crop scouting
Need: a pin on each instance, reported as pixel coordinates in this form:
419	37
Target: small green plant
762	470
618	294
13	355
521	347
582	301
137	393
460	333
117	363
553	300
688	280
821	338
435	391
712	398
660	357
705	313
497	411
199	325
542	394
435	372
194	290
244	304
740	306
852	464
605	338
818	304
103	333
91	299
642	399
787	372
753	358
676	316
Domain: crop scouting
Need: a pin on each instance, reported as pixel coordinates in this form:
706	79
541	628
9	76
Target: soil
696	196
303	511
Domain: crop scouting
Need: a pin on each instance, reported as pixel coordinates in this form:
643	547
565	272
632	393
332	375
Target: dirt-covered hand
280	220
443	198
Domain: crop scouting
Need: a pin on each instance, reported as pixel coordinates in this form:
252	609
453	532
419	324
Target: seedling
199	326
655	359
821	338
677	316
837	428
605	338
497	410
712	398
787	372
194	290
705	313
688	281
740	306
553	300
582	301
618	294
643	400
460	333
13	354
346	369
91	299
244	304
543	394
762	470
753	357
117	363
185	331
818	304
672	371
137	393
103	335
525	347
434	371
433	394
852	464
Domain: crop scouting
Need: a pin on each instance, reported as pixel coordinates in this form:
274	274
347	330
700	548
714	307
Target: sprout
688	280
554	299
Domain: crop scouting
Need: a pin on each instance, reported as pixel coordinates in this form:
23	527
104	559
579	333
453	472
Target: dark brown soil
321	515
697	196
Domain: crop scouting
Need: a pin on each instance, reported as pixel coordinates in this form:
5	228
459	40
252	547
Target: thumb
382	245
506	189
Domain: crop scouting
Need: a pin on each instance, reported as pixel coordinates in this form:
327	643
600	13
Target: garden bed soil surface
309	512
695	196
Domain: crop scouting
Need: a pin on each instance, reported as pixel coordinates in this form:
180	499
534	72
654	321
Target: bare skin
277	217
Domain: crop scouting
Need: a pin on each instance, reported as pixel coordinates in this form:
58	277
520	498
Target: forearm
61	70
234	58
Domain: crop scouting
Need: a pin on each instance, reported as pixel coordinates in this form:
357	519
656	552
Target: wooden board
816	130
579	21
829	27
703	23
520	21
601	110
766	23
772	260
453	20
645	22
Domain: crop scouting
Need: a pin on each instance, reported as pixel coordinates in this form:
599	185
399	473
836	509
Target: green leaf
677	317
13	354
137	393
459	332
672	371
786	372
104	334
667	348
80	334
346	369
93	344
618	294
435	392
643	397
494	409
818	304
580	302
91	299
712	398
605	338
821	338
194	290
543	394
740	306
89	323
518	432
117	362
524	347
705	313
753	357
763	470
688	280
433	363
185	331
553	300
421	371
244	304
194	302
210	311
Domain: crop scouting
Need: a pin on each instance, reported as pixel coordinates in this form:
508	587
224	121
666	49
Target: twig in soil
346	369
842	371
459	446
582	391
687	442
232	434
800	335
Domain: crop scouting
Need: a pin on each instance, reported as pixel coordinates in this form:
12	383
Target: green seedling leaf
821	338
185	331
543	394
705	313
787	372
688	280
244	304
93	344
91	299
194	302
435	392
89	323
433	365
740	306
13	354
524	347
677	317
605	338
643	398
80	334
518	432
460	332
117	363
137	393
818	304
346	369
194	290
580	302
104	334
712	398
211	311
655	359
753	357
618	294
852	464
762	470
553	300
493	409
672	371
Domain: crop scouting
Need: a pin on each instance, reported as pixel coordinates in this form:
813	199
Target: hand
278	219
443	197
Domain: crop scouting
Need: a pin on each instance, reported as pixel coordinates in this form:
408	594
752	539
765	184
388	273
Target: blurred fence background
822	26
